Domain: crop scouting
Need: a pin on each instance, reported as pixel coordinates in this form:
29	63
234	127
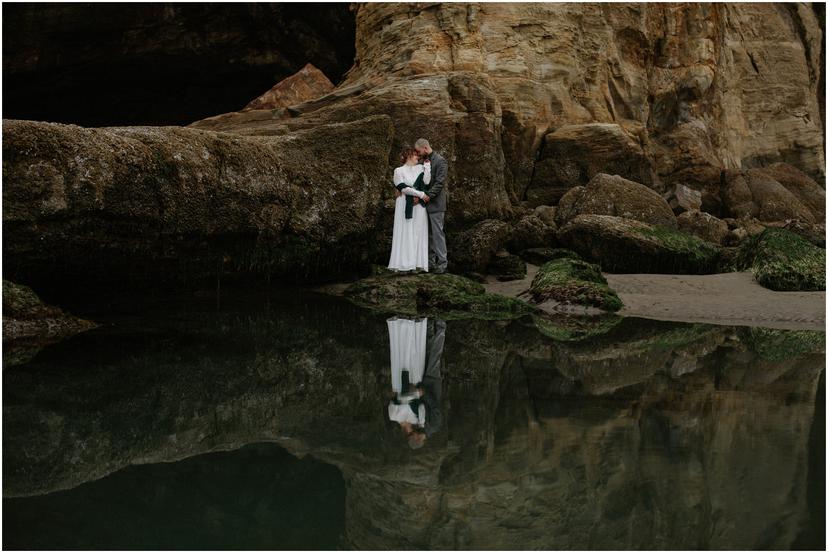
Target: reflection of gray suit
433	379
436	208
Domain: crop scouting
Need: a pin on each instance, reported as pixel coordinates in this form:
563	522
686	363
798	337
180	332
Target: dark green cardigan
409	200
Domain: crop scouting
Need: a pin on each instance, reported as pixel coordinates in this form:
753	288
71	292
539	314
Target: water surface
263	423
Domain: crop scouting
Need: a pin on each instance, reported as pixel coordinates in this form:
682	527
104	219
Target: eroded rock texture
660	93
161	203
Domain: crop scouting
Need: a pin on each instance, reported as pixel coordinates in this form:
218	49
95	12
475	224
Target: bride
409	242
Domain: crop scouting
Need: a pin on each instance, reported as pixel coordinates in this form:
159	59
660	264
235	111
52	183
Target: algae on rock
574	281
449	296
782	260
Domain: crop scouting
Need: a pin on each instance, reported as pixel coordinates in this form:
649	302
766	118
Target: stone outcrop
616	196
704	225
308	84
165	202
756	193
622	245
571	155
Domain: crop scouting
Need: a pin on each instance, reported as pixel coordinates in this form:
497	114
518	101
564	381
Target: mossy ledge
624	245
782	260
574	281
447	296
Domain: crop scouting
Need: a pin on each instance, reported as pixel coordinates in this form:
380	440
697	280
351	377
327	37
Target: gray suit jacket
437	190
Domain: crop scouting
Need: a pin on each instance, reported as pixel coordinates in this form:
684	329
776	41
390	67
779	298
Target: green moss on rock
624	245
574	281
777	345
782	260
573	328
449	296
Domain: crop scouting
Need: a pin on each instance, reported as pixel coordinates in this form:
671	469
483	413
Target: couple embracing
418	241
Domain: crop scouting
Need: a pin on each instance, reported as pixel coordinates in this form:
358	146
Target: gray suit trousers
436	242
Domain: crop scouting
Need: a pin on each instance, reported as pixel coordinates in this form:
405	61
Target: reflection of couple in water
416	382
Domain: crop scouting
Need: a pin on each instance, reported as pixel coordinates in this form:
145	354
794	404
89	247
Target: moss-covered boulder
473	248
774	344
613	195
446	295
622	245
782	260
574	282
566	327
539	256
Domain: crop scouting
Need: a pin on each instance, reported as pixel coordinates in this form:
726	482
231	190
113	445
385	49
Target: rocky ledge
444	295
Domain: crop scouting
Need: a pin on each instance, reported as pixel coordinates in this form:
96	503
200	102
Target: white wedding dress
407	338
409	241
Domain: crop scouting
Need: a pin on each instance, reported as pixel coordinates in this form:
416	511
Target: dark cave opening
161	64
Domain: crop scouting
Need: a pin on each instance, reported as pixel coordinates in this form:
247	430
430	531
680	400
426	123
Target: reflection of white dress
409	242
408	352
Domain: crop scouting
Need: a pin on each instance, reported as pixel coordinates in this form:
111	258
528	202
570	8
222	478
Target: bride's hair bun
406	152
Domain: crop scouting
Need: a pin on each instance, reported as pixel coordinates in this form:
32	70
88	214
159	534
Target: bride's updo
406	152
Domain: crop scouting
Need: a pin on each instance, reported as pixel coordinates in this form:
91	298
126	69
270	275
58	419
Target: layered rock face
530	102
684	89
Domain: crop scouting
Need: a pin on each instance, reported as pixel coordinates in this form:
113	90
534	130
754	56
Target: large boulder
782	260
622	245
473	248
573	154
704	225
160	203
570	281
616	196
806	189
755	193
531	231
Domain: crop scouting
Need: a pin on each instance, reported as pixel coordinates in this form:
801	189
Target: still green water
263	423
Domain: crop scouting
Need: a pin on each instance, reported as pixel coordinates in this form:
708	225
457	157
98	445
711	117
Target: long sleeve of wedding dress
408	190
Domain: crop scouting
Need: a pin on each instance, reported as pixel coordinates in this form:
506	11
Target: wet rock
622	245
573	282
704	225
472	249
539	256
29	324
613	195
506	266
573	154
782	260
531	231
447	296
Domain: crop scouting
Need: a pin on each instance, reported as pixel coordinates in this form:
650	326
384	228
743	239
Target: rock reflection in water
652	435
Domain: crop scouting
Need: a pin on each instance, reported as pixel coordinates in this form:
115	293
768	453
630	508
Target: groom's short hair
422	143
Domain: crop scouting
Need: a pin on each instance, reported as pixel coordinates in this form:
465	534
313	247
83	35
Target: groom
435	200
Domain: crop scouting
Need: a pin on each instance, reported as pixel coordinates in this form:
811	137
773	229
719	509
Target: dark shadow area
257	497
161	64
